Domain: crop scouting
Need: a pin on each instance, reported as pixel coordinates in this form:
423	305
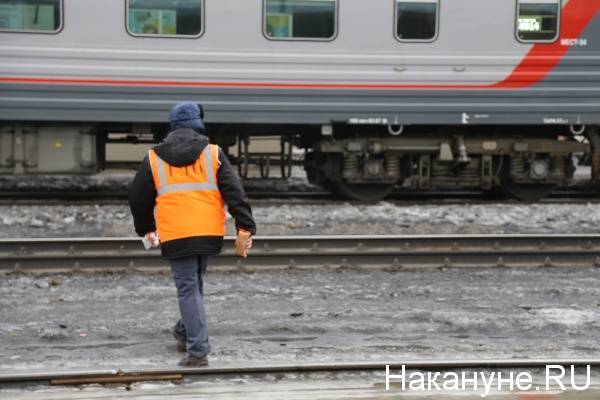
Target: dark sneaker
191	362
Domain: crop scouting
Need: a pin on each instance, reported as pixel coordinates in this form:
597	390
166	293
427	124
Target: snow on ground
116	320
322	219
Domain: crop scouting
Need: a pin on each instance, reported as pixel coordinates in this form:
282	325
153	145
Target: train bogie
366	168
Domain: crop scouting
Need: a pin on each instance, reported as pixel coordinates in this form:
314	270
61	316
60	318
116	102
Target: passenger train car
420	93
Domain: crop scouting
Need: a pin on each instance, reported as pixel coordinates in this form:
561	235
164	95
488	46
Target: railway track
301	197
129	375
312	252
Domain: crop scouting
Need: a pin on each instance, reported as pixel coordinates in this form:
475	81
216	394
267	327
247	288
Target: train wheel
363	192
525	192
326	170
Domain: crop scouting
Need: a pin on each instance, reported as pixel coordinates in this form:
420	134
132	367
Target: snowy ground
125	320
328	219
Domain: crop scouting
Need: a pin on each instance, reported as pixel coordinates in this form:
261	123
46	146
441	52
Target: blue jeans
187	273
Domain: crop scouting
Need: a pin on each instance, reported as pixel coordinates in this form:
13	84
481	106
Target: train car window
417	20
41	16
538	21
165	18
300	19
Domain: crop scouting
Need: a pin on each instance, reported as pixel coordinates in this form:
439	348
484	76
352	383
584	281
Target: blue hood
187	115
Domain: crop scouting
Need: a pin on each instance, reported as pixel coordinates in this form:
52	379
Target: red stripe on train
536	65
543	58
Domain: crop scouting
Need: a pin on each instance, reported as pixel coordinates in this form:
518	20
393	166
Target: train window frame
336	23
42	32
437	21
163	36
559	4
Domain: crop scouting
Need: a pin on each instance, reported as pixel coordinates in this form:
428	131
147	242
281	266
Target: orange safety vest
189	202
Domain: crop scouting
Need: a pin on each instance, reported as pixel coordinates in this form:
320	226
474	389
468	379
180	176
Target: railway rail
300	197
313	252
128	375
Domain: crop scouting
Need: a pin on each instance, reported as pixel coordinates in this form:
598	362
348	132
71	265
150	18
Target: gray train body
465	98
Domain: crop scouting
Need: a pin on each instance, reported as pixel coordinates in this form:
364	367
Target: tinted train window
165	17
30	15
538	21
300	19
416	20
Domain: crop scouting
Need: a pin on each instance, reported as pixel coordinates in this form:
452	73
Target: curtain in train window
165	17
538	21
30	15
300	19
416	20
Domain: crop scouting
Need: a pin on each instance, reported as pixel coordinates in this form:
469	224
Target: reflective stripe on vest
164	187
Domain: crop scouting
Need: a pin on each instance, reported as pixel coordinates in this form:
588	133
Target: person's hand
243	242
152	238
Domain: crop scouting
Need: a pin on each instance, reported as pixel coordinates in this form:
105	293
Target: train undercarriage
357	162
526	168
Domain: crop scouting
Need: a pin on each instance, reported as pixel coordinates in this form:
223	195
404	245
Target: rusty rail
127	375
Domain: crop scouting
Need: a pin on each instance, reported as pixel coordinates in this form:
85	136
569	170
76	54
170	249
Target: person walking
177	200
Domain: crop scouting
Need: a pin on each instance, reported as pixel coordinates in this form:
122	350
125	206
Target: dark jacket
183	147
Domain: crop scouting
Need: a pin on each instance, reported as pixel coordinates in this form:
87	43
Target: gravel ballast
322	219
